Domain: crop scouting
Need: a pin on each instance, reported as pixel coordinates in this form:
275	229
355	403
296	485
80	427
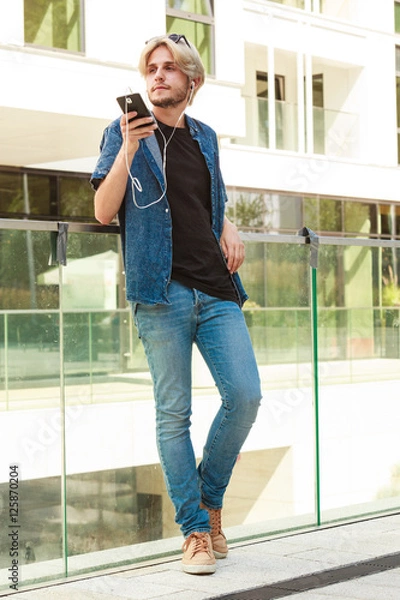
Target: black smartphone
134	102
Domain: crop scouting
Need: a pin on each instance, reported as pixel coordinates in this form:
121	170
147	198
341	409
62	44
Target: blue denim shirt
146	234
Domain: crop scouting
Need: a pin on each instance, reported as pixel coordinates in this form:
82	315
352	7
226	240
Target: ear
195	83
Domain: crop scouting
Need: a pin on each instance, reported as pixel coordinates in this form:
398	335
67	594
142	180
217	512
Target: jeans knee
253	404
171	424
246	403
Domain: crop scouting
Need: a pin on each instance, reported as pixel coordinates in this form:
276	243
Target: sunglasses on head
175	37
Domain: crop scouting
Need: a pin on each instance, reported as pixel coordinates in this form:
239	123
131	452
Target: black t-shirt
197	259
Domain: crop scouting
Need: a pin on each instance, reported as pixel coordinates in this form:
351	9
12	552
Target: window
262	86
32	193
359	218
54	24
194	19
386	221
398	100
322	213
318	113
268	211
397	17
75	198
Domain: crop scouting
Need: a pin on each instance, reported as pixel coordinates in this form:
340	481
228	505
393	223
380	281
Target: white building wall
12	22
118	35
358	65
47	89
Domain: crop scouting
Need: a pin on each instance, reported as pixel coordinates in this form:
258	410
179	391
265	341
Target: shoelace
200	543
215	520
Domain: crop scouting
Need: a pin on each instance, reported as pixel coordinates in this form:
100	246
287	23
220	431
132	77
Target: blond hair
185	55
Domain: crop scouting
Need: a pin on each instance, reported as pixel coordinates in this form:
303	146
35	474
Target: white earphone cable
135	183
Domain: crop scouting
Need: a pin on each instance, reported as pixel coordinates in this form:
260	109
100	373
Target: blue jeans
219	330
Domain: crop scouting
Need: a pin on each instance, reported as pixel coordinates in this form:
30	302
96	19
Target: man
181	255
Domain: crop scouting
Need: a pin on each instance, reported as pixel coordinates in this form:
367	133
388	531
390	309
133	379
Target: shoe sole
220	554
199	569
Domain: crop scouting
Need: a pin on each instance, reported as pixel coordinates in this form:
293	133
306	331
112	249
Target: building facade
302	94
305	98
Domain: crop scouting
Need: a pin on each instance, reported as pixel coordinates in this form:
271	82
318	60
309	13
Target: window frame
56	198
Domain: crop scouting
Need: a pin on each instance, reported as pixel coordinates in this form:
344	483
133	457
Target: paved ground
346	562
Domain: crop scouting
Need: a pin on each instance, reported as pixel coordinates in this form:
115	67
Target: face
167	86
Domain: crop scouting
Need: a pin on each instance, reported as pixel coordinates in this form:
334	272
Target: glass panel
263	271
76	198
335	132
200	34
24	258
35	193
319	130
357	218
11	193
53	23
257	124
198	7
390	277
263	123
397	17
276	277
323	214
110	490
116	493
330	214
250	211
41	198
262	84
386	223
398	101
31	419
286	126
311	213
398	148
95	418
359	362
397	219
256	211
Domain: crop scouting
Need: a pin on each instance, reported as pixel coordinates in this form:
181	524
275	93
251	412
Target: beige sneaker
198	557
218	539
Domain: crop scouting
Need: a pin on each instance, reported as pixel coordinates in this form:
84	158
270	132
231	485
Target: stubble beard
170	101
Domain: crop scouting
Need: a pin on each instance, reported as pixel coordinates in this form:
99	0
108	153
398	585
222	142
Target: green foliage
249	212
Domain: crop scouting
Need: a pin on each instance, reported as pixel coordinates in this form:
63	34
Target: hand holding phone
134	102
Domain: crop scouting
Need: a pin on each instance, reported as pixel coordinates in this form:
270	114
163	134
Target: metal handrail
77	227
73	227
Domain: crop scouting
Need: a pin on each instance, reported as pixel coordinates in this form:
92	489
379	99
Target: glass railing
335	132
81	486
285	133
